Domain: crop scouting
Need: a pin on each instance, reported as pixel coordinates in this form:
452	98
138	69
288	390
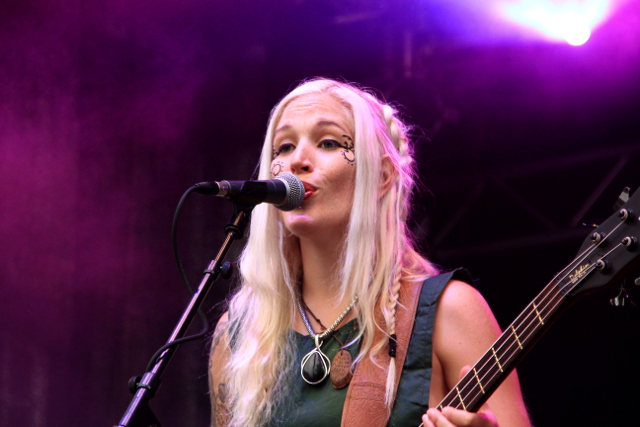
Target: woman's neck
321	280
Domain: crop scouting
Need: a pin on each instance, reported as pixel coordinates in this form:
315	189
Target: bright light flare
576	33
570	20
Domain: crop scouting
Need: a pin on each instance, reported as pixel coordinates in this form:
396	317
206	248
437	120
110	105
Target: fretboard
486	375
612	249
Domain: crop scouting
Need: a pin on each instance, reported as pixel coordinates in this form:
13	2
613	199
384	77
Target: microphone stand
138	414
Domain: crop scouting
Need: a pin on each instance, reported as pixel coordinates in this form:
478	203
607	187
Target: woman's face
314	141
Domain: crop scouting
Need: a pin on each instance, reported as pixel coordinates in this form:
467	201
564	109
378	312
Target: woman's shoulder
462	308
464	328
224	319
220	333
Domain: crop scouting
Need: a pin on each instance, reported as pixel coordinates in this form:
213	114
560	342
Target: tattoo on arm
219	392
222	415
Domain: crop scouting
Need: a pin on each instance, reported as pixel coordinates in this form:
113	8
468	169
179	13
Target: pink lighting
568	20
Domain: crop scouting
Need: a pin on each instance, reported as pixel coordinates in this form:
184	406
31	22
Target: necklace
315	365
341	372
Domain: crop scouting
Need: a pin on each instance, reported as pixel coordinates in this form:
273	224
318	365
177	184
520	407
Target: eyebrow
321	123
283	127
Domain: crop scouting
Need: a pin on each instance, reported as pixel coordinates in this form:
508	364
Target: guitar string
588	251
483	372
452	397
518	323
487	374
504	355
580	257
507	354
527	318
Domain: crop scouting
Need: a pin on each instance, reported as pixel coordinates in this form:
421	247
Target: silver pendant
315	365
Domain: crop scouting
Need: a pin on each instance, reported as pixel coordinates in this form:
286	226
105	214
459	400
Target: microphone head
295	192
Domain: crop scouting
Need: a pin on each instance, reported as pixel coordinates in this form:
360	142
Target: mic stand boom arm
138	414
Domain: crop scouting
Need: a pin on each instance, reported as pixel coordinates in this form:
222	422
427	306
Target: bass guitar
604	259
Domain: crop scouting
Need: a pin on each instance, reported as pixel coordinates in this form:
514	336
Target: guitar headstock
609	253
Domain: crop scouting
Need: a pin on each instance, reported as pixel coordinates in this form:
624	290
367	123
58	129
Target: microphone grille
295	192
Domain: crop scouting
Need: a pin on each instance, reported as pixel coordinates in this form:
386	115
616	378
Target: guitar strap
365	405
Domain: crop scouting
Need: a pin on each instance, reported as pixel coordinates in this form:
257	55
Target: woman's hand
451	417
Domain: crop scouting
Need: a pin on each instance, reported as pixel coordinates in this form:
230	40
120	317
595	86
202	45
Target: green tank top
321	405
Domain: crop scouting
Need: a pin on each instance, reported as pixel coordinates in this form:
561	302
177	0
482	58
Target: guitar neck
613	249
472	391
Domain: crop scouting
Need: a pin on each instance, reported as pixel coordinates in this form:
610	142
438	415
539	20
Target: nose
301	159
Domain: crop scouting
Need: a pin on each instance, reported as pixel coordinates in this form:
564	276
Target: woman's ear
389	174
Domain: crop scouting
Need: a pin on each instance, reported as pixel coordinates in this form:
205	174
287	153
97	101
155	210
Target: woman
345	256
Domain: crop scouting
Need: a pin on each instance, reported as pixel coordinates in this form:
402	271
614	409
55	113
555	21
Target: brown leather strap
365	402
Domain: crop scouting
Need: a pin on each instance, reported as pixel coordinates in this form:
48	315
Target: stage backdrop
110	110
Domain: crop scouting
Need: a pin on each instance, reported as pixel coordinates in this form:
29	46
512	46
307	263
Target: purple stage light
568	20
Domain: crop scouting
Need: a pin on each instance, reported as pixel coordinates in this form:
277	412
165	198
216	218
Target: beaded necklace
341	364
315	365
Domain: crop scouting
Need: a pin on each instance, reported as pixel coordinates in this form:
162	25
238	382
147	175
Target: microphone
285	191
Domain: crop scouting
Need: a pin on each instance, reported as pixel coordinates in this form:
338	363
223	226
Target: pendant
341	373
315	366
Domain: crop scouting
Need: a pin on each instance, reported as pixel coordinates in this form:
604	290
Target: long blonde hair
378	253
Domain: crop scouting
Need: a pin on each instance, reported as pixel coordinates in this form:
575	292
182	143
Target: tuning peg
617	301
637	281
631	243
604	265
622	198
622	299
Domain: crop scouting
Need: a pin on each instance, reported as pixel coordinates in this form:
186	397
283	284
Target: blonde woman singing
338	320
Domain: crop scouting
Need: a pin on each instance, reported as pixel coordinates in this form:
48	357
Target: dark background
110	109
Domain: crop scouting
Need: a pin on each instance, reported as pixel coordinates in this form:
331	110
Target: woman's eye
284	148
330	143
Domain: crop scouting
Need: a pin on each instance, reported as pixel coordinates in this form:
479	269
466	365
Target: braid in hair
397	135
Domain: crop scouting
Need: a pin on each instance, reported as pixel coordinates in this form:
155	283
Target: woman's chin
301	226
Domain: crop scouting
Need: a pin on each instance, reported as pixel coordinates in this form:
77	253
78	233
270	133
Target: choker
315	365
